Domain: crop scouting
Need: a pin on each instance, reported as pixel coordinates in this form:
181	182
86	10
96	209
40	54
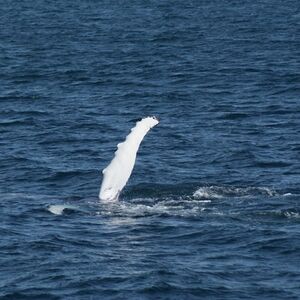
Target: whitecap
219	192
290	214
207	192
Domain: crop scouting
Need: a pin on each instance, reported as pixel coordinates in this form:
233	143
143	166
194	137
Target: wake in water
219	192
117	173
205	202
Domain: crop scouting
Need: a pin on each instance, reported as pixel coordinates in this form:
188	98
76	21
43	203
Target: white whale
117	173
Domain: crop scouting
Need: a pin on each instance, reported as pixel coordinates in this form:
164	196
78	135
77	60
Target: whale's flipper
117	173
59	209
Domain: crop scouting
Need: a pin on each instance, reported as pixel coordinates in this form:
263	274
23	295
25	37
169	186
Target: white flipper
117	173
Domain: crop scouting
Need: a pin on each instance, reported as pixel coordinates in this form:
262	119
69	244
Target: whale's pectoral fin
117	196
117	173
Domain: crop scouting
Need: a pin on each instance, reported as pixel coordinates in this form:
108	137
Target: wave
16	122
218	192
292	213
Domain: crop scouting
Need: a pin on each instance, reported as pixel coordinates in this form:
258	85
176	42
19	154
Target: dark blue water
212	208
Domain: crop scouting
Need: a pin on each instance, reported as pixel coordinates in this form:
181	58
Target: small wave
291	214
216	192
207	193
234	116
59	175
27	295
15	122
272	164
141	207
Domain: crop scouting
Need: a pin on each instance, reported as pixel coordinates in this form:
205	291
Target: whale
117	173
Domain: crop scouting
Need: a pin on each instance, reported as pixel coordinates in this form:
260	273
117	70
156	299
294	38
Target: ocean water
212	208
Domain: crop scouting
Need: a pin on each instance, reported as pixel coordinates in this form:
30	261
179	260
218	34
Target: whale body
117	173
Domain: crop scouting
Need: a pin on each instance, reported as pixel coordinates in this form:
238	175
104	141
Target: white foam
143	207
206	193
290	214
218	192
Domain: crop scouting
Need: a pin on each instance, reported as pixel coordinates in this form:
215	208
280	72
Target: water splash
218	192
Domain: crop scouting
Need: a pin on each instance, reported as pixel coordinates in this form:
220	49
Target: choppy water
212	208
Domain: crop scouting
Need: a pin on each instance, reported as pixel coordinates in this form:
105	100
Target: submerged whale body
117	173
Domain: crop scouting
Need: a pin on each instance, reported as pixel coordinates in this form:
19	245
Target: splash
219	192
117	173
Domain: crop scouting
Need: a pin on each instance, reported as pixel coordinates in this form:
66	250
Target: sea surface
212	209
